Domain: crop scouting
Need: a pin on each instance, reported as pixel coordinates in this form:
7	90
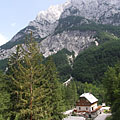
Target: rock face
47	25
6	53
71	40
45	22
100	11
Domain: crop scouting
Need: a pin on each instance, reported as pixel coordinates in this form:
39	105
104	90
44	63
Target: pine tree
26	74
112	86
70	95
55	95
109	78
74	92
4	99
34	87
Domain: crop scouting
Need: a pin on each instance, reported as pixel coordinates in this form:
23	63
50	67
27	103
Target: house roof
89	97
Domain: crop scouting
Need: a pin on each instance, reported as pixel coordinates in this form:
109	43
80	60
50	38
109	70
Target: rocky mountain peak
54	25
94	1
100	11
52	13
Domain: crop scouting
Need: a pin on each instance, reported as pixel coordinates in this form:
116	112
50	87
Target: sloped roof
89	97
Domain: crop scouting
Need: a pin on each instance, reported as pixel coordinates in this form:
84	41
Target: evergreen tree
34	87
112	86
4	99
26	74
74	92
55	95
71	95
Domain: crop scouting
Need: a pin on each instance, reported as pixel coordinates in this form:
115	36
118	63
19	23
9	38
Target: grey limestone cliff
47	22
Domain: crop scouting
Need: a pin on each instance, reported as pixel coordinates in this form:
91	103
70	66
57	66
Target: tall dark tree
70	95
34	87
112	86
55	95
4	99
27	83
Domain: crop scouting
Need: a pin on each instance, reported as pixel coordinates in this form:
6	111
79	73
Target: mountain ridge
83	13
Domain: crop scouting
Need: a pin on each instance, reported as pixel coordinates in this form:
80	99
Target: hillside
90	65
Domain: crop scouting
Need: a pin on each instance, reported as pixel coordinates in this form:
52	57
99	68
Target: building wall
83	108
93	107
86	108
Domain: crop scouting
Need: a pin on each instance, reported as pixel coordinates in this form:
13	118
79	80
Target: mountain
67	26
91	64
74	26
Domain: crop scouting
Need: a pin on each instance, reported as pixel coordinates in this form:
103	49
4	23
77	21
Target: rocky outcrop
48	24
99	11
75	41
71	40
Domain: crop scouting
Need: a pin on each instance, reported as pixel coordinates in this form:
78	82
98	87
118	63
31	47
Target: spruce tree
111	83
70	95
34	87
55	95
4	99
26	74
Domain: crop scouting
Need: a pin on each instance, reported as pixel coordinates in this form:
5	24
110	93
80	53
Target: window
86	108
79	108
92	108
89	116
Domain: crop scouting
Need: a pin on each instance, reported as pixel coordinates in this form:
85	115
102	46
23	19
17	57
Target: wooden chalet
87	106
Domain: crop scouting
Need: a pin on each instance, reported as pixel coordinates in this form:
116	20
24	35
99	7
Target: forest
30	85
29	88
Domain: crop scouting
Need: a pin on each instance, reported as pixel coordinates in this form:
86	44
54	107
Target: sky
16	14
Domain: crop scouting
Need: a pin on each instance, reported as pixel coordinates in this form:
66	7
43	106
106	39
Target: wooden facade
83	102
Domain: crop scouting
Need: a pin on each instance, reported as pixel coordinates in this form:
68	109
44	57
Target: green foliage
109	118
55	100
34	87
70	95
3	64
105	36
61	61
27	76
96	89
4	99
111	83
109	28
91	64
72	92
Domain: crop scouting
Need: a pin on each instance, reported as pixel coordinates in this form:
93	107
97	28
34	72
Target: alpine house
87	106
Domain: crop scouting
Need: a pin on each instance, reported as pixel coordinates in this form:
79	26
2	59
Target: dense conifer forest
30	85
30	90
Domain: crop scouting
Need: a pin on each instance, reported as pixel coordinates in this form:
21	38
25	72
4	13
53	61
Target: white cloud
3	39
13	24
